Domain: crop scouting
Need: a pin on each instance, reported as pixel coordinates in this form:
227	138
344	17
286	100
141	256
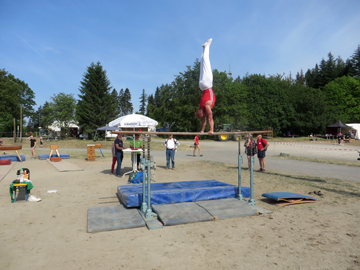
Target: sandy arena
52	234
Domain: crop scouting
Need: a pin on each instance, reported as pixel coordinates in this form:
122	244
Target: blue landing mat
113	217
288	198
12	157
46	156
178	192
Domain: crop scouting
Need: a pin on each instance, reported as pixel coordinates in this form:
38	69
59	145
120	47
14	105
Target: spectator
340	139
197	145
171	145
119	146
32	145
250	149
137	144
262	146
113	157
2	143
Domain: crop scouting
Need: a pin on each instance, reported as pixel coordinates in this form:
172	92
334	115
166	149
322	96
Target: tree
150	106
96	106
63	109
356	62
343	98
13	93
117	100
143	100
125	102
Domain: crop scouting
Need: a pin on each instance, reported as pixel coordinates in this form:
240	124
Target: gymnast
207	101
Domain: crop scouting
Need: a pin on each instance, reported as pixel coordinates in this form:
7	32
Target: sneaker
194	155
118	175
167	168
173	168
260	170
201	155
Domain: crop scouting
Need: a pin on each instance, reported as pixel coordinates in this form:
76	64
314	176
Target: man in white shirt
171	144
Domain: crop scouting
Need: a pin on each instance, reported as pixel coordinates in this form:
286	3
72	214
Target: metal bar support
252	201
143	205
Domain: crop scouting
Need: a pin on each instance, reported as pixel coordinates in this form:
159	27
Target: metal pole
149	212
143	205
251	201
240	197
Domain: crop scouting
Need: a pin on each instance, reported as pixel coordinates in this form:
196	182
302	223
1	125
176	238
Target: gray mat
181	213
65	166
5	169
228	208
113	217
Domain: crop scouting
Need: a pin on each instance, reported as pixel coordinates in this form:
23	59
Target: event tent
333	129
354	129
133	120
106	128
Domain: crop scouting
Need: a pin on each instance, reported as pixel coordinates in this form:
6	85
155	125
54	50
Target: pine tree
356	62
96	106
127	107
143	100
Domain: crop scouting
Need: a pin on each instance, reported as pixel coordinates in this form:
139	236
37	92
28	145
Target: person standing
340	138
171	145
119	146
262	146
137	144
113	157
41	141
2	143
197	145
207	101
250	145
32	145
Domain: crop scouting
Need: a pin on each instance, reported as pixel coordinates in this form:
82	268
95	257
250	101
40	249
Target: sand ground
52	234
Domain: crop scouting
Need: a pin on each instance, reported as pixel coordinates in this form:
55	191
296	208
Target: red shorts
207	95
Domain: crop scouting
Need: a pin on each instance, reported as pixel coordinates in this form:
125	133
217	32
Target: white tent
355	127
133	120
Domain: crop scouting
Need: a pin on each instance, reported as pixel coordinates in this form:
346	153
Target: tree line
302	105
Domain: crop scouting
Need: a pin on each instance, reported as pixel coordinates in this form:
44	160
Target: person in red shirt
197	145
208	98
262	146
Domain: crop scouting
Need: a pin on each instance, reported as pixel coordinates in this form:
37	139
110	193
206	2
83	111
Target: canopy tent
354	128
334	127
133	120
106	128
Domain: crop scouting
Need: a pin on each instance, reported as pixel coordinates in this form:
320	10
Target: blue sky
144	44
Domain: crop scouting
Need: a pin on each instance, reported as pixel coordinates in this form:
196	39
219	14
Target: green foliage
96	106
343	98
13	93
63	109
143	100
126	106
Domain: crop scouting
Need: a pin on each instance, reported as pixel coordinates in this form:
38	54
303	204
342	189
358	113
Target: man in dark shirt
118	153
